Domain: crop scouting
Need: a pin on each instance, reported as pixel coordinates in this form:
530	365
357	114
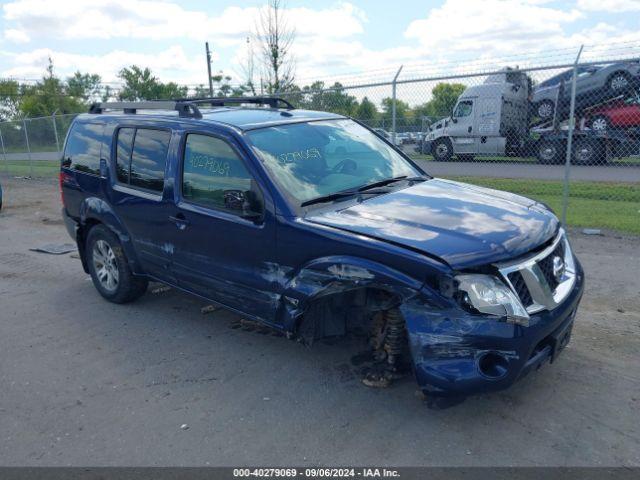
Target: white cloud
171	64
513	26
106	19
16	36
610	6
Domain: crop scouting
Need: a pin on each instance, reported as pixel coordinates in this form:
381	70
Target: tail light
63	177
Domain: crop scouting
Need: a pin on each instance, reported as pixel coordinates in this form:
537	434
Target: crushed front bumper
459	354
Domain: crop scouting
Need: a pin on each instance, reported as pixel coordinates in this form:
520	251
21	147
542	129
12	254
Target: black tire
600	123
549	152
545	109
106	260
587	151
619	83
442	150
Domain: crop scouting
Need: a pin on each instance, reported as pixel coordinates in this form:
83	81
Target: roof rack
188	107
223	101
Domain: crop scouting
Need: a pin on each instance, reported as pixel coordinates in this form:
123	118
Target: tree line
54	95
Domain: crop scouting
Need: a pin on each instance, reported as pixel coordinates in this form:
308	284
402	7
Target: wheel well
81	240
347	311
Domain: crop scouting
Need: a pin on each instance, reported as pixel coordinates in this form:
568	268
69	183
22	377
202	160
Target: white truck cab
486	119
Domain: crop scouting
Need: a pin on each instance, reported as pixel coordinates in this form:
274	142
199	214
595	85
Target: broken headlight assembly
478	293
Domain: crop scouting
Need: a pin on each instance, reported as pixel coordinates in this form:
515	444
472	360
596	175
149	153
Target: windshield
311	160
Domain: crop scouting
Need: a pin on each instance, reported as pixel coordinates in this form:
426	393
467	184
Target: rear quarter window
83	147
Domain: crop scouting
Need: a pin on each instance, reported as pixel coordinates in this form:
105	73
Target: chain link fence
566	134
32	146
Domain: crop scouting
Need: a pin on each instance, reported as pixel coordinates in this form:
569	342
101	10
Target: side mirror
248	203
454	119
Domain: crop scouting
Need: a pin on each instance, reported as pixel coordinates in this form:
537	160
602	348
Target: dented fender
94	209
334	274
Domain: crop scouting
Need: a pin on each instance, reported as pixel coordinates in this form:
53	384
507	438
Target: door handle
469	129
180	221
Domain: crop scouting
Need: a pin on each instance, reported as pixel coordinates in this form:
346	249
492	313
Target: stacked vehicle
506	116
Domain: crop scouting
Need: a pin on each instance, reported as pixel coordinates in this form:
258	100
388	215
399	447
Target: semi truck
496	118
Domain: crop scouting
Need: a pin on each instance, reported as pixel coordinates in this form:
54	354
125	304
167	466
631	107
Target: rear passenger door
140	158
222	254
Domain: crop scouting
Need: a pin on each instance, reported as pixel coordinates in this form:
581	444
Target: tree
276	39
444	97
333	99
367	112
84	86
9	99
404	114
47	96
141	84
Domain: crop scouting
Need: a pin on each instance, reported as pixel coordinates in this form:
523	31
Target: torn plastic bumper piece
459	354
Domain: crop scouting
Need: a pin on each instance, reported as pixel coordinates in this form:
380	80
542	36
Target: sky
354	39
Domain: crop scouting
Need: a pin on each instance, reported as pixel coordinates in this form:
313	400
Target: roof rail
223	101
184	109
188	107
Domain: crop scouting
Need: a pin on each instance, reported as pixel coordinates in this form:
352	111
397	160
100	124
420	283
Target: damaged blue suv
312	224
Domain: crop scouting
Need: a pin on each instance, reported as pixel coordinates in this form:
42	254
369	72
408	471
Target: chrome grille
534	280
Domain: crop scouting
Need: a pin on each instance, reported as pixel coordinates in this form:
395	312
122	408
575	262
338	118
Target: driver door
461	127
227	236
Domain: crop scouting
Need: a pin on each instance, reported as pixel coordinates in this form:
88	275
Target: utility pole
209	69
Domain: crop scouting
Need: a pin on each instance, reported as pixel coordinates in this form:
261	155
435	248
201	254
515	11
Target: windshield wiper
335	196
389	181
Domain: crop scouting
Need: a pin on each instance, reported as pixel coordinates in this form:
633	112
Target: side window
213	175
149	158
123	154
463	109
82	151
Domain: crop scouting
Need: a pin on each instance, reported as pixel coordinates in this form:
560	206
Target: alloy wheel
105	265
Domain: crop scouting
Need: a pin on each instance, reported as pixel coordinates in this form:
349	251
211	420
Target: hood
462	224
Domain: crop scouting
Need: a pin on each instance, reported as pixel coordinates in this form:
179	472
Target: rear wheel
588	151
109	267
442	150
549	152
619	83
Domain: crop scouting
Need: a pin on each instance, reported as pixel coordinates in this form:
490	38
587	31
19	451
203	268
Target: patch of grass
614	206
41	168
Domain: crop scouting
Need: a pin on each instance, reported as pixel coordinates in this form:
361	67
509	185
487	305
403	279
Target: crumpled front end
457	353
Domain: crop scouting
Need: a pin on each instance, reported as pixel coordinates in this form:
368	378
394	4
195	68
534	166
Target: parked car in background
594	83
309	223
387	136
617	113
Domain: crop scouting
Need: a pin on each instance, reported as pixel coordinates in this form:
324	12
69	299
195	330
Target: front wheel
545	109
442	150
109	267
600	123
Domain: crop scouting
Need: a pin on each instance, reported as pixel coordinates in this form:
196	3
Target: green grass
614	206
635	161
41	168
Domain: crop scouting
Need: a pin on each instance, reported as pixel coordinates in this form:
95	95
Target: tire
600	123
587	151
549	152
442	150
619	83
545	109
109	267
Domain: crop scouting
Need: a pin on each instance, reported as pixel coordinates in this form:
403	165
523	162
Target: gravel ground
157	382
